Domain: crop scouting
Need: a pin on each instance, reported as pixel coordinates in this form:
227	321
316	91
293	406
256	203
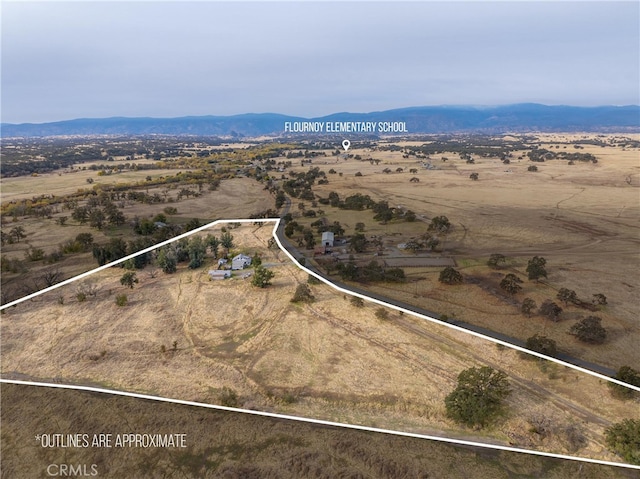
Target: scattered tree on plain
495	260
440	224
478	397
536	268
213	243
550	309
197	250
167	260
567	296
528	305
589	330
262	277
511	283
450	276
309	238
226	240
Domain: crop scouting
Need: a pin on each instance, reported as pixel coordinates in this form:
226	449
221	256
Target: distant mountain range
525	117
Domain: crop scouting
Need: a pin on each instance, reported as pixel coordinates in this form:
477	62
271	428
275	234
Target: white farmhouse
241	261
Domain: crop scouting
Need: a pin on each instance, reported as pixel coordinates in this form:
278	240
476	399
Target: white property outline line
459	442
342	290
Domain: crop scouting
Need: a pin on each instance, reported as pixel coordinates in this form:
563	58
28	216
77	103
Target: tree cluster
372	272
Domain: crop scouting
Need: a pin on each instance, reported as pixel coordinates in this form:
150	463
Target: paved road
410	307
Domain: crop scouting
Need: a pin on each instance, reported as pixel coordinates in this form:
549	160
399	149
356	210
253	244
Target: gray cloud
69	60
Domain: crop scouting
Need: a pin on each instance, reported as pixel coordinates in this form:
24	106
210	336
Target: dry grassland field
228	342
584	219
67	182
234	445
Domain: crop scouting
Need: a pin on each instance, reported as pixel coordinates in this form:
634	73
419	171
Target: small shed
219	274
327	239
241	261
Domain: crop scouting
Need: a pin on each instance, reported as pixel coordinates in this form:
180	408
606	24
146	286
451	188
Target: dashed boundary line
342	290
459	442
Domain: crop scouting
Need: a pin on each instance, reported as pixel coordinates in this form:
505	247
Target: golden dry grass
66	182
237	445
327	360
583	218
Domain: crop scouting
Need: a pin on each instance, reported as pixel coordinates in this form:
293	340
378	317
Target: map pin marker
346	144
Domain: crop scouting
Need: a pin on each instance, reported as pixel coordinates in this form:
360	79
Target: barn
327	239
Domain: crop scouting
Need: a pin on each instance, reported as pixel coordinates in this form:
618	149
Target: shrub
171	210
228	397
543	345
357	302
628	375
599	299
129	279
121	300
382	313
302	294
623	438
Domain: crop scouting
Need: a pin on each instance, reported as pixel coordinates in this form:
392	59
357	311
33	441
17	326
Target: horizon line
476	106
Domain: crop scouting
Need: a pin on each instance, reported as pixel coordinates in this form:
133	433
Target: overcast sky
91	60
